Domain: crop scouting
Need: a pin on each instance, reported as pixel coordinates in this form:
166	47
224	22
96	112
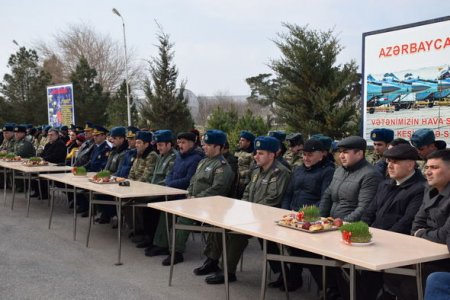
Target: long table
29	174
389	250
135	190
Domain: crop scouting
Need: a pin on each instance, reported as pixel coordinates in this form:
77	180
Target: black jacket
55	152
395	206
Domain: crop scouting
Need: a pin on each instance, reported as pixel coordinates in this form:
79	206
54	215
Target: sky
217	43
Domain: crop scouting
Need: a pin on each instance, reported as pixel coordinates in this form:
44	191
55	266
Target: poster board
60	105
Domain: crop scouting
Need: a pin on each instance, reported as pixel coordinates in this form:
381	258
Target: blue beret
382	135
8	127
118	131
325	140
88	126
422	137
162	136
131	131
20	128
247	135
29	126
46	128
267	143
64	128
99	130
279	135
145	136
214	136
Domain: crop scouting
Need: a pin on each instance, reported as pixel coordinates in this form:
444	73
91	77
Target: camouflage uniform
24	149
294	160
42	143
245	160
143	166
7	145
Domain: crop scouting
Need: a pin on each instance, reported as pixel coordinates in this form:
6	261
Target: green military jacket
7	146
213	177
163	166
372	157
143	167
267	187
294	160
24	149
244	161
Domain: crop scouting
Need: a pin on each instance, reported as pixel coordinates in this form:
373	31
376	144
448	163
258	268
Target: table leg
74	213
352	282
28	194
13	188
283	272
264	272
225	263
419	281
167	224
119	230
324	280
5	182
52	202
172	253
90	218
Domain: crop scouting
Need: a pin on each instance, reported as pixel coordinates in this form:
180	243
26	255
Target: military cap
325	140
295	139
29	126
247	135
131	132
267	143
162	136
353	142
46	128
33	131
64	128
382	135
312	145
79	129
424	137
279	135
8	127
88	126
402	152
214	136
20	128
145	136
99	130
118	131
187	136
39	128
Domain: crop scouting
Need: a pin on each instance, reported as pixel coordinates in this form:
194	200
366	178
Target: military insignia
207	169
106	154
254	177
206	137
274	179
132	159
264	181
374	135
258	144
219	170
99	156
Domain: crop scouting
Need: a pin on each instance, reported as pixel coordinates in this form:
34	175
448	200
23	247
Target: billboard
60	105
406	72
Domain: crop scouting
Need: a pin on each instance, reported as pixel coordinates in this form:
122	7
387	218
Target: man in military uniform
44	140
281	137
245	158
8	138
144	164
22	147
294	154
179	177
213	177
130	156
85	150
100	153
164	163
425	142
268	181
381	138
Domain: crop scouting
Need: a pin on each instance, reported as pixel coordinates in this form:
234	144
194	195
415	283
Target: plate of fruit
356	234
308	219
79	171
104	177
12	157
35	162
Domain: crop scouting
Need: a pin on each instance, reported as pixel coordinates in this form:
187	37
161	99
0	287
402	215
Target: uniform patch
219	170
207	169
264	181
273	179
254	177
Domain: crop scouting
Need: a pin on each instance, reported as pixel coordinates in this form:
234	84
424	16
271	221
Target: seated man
294	154
432	222
381	138
268	181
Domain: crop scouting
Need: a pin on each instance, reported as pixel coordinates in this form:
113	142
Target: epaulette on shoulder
276	170
223	161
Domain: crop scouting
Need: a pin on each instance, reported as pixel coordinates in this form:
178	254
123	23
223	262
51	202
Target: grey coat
350	192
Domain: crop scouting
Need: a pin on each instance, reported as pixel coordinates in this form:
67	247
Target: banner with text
406	84
60	105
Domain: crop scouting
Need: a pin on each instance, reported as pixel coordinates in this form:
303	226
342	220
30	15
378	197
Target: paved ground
37	263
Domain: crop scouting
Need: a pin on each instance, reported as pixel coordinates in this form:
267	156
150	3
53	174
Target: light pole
116	12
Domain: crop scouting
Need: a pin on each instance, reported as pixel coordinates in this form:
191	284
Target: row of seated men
396	198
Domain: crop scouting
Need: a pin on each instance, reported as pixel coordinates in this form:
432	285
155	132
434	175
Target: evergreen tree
25	89
222	119
312	94
90	100
165	106
116	110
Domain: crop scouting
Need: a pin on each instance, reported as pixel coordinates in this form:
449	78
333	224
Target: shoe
85	214
292	285
102	220
144	244
219	278
178	258
156	250
71	204
34	194
137	239
277	283
209	266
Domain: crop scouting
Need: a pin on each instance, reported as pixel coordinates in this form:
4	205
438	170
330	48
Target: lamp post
116	12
